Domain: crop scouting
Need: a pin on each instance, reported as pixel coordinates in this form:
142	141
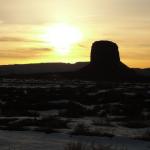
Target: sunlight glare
62	37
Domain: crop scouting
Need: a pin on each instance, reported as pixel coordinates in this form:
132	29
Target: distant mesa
105	53
105	63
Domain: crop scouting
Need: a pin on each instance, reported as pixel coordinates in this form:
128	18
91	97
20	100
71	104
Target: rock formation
105	63
105	53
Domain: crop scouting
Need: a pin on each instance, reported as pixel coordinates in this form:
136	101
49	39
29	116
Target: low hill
40	68
144	72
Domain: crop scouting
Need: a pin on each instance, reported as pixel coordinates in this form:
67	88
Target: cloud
27	53
82	45
17	39
1	22
40	49
136	56
144	46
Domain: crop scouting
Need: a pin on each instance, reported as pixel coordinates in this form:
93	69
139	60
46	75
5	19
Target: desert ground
40	114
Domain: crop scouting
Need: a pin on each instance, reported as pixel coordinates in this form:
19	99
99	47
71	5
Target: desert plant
135	124
81	129
53	122
102	122
75	146
85	146
145	136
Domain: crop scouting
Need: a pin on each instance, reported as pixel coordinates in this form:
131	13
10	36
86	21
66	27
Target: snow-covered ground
20	140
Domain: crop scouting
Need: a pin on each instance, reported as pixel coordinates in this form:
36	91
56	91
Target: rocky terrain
76	108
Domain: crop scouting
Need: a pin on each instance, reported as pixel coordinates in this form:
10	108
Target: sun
62	37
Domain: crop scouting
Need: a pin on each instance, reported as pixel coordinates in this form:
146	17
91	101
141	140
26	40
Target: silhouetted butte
105	63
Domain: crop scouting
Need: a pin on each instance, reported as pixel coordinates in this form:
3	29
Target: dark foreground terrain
76	107
107	113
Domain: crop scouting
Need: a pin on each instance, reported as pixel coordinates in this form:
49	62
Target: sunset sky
31	30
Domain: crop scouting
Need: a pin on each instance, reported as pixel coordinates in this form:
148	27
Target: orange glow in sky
33	31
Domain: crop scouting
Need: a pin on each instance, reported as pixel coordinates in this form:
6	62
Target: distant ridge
40	68
46	68
144	71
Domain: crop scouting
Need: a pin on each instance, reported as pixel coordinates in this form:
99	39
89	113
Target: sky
24	23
